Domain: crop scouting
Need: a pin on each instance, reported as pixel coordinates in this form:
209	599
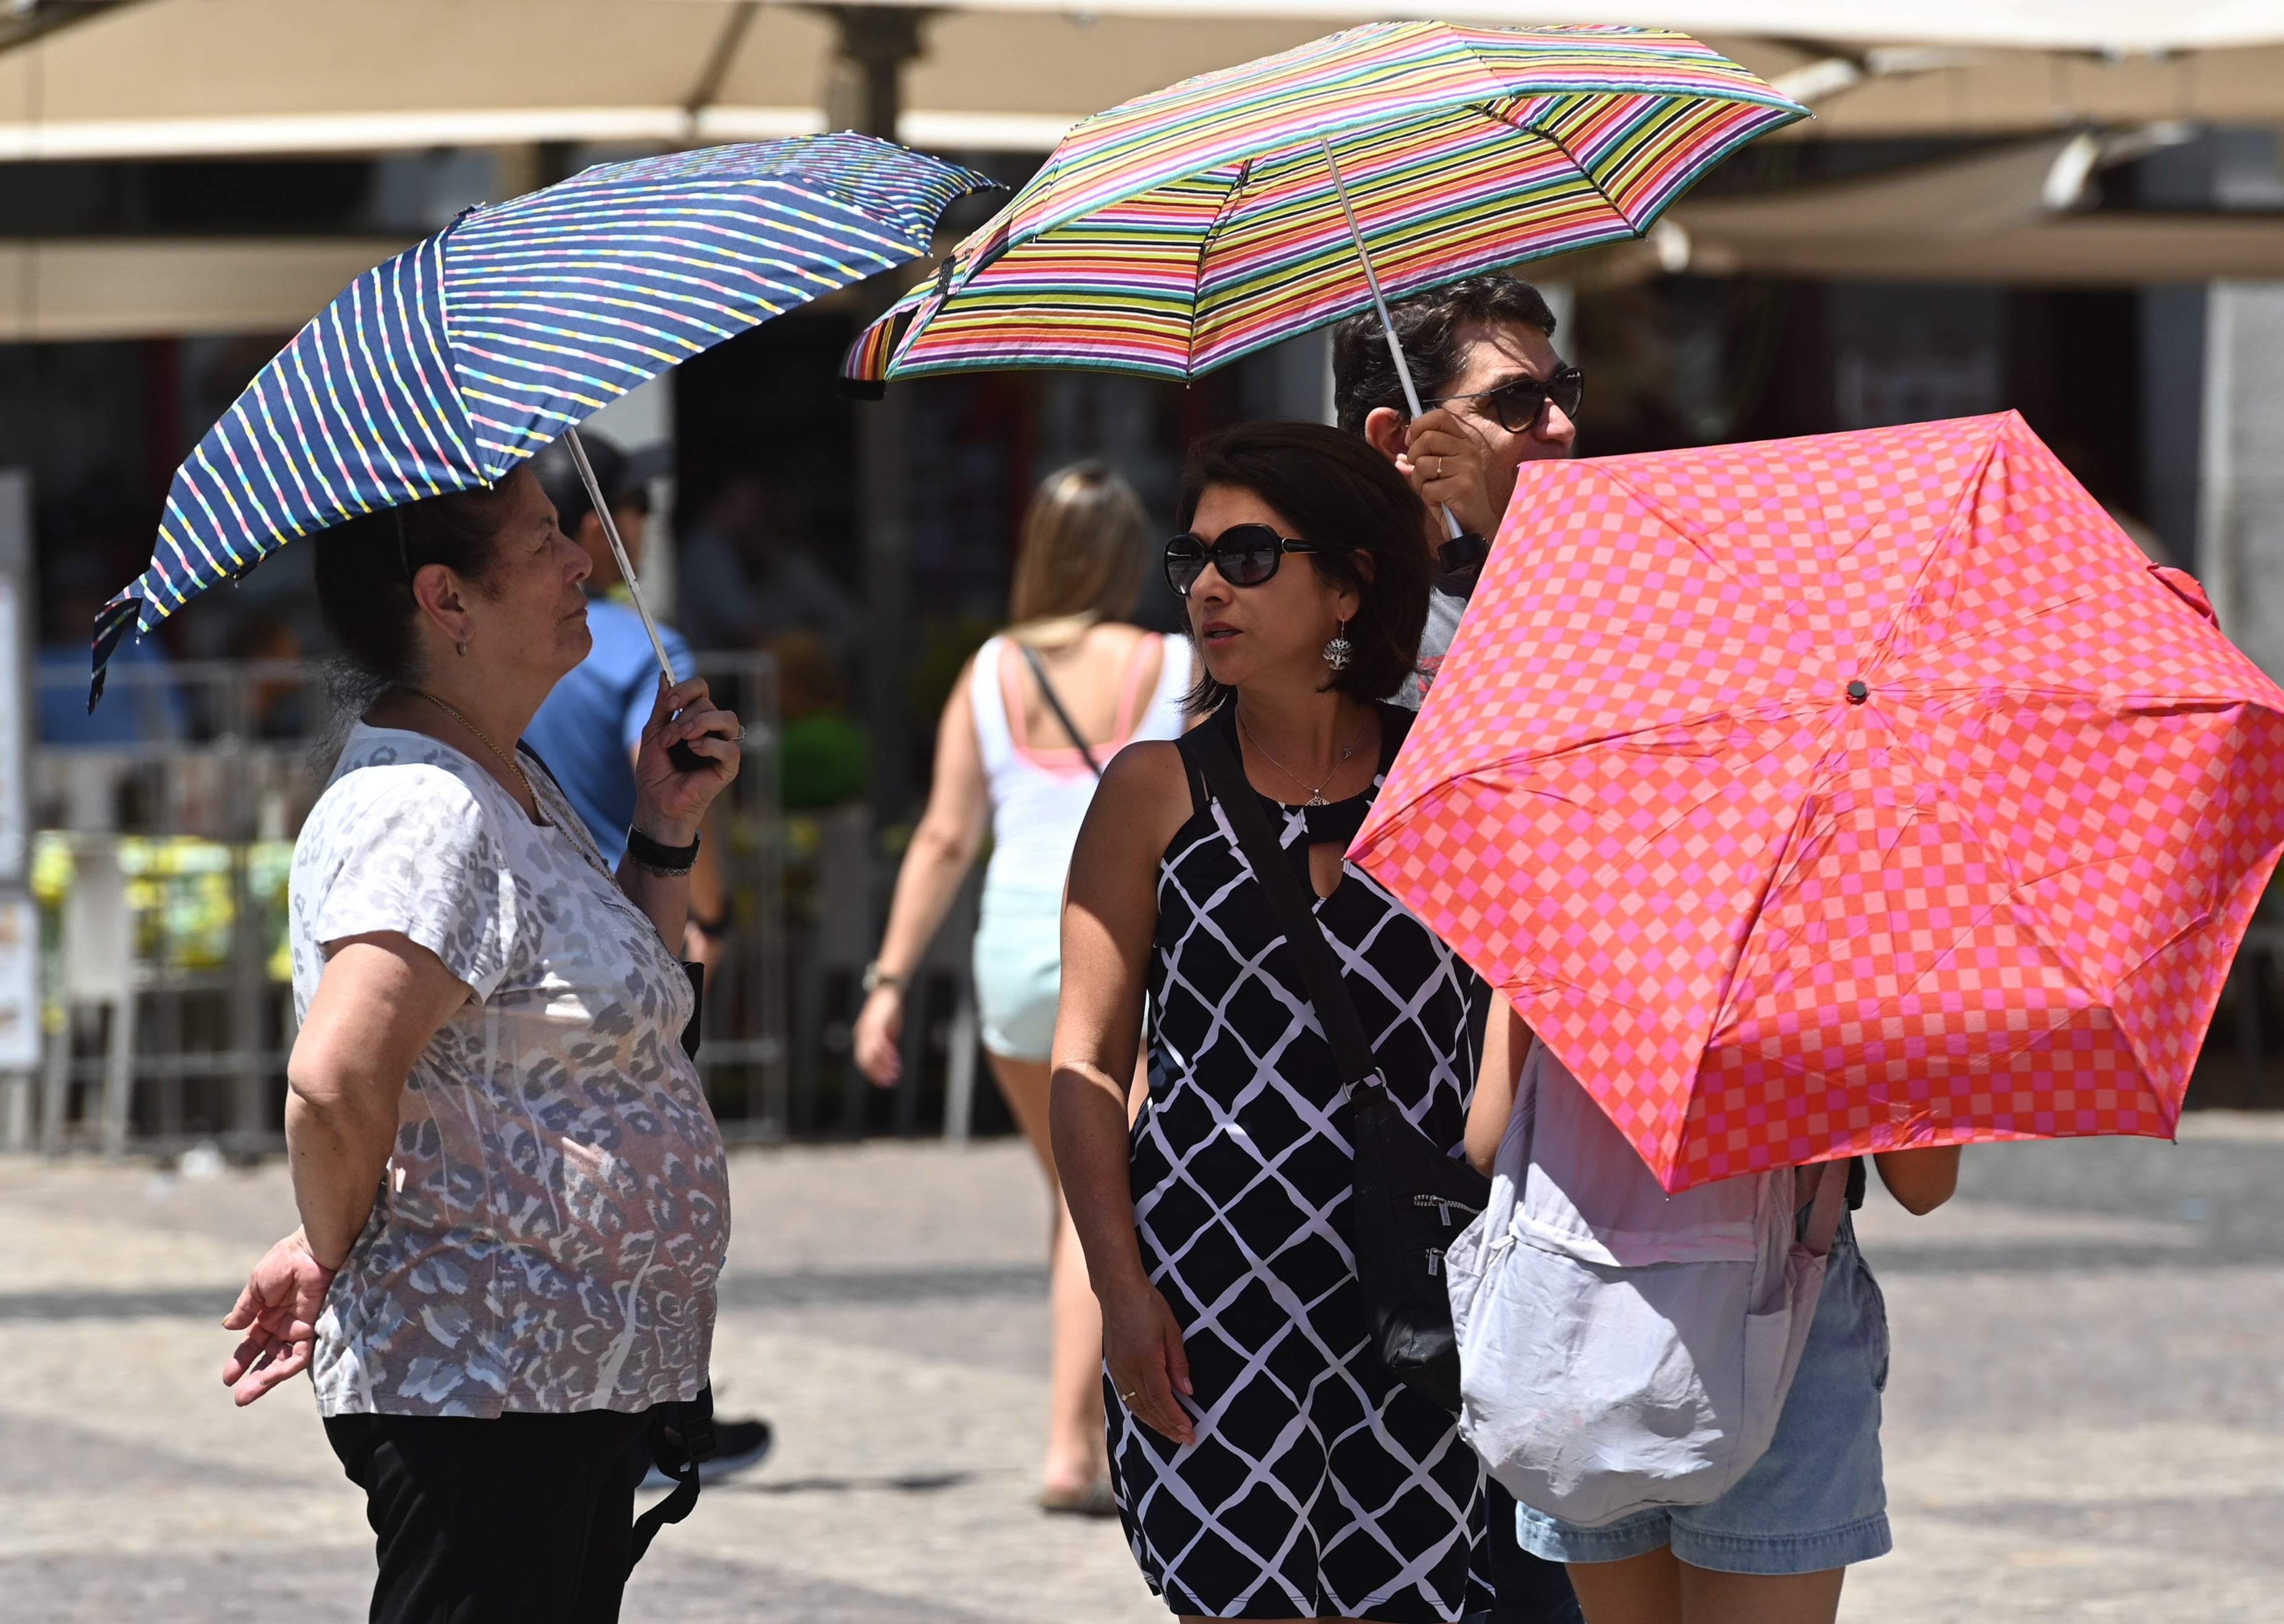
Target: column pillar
2240	517
876	41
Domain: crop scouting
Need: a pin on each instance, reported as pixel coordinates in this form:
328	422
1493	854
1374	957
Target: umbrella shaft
1380	303
618	548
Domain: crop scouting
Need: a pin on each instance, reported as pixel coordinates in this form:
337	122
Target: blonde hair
1085	552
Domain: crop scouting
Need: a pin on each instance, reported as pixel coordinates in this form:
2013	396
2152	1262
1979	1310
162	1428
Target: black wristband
658	858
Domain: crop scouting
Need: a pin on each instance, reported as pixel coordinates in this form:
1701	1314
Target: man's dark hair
624	485
1364	375
1336	491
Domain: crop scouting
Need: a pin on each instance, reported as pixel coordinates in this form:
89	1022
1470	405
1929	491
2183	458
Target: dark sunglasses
1246	555
1518	403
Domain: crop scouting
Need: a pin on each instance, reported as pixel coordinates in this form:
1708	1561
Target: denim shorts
1815	1501
1019	971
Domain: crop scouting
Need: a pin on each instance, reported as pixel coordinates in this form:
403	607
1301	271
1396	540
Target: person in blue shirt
589	728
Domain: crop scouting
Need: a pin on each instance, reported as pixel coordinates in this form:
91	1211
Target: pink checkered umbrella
1842	794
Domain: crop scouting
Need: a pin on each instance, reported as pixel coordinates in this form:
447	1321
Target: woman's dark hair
366	565
1369	527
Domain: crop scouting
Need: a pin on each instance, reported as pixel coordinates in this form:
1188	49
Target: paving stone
2085	1418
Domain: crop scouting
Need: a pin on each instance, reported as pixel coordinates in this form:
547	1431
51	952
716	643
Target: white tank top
1040	795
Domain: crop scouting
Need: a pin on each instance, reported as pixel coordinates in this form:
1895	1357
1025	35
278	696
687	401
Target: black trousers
1530	1590
526	1519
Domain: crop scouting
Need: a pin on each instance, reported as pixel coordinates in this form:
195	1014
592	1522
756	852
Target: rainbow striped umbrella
444	368
1187	227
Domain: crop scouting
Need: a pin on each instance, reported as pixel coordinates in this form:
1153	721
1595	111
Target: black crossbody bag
1410	1200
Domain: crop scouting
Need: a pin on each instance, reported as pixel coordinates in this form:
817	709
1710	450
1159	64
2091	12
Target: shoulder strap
1829	1182
1039	671
1224	775
1395	727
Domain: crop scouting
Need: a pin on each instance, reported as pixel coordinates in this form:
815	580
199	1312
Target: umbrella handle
1380	303
685	759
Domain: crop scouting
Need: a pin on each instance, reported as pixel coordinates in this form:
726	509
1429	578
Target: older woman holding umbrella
512	1194
512	1190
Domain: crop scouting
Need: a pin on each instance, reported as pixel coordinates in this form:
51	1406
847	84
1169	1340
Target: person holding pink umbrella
1859	794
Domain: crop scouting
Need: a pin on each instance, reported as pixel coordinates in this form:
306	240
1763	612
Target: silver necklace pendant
1316	791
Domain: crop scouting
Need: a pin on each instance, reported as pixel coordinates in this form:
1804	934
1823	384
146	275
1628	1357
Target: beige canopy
161	77
180	77
2010	214
99	288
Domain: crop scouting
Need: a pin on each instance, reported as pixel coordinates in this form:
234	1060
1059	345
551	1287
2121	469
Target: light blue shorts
1815	1501
1019	971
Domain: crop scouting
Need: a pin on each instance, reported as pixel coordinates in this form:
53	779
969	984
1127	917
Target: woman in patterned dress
512	1197
1266	1467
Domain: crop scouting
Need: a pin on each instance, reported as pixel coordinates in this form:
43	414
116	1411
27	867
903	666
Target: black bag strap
1320	972
680	1437
1039	669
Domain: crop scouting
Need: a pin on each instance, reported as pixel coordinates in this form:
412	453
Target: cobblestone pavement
2085	1416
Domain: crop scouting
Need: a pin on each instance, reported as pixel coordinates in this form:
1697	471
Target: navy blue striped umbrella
444	368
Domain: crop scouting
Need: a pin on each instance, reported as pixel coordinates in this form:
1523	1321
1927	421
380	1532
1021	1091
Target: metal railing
160	867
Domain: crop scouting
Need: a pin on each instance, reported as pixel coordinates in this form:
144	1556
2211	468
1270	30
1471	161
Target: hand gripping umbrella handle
683	757
1380	302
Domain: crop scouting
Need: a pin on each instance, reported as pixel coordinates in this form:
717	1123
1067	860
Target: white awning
2007	216
175	78
171	78
140	287
2063	25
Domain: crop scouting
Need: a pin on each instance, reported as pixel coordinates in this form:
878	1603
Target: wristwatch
660	858
876	978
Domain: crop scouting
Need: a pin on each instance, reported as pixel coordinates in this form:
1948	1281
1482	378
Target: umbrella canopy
1841	794
444	368
1187	228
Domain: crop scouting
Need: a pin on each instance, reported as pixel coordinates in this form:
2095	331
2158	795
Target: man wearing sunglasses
1497	396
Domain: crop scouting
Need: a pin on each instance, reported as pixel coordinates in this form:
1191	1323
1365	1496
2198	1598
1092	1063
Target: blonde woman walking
1032	722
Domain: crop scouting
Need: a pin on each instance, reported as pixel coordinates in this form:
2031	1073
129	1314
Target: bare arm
380	1001
1507	1040
1920	1180
1110	913
944	844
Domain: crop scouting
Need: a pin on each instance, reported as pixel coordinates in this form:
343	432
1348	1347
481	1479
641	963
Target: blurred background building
2074	209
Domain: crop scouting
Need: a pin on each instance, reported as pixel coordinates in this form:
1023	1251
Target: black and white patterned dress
1316	1486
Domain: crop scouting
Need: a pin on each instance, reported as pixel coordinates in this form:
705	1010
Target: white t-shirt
552	1221
1444	612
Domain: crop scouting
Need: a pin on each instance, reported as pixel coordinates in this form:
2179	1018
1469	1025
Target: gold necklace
1316	792
512	764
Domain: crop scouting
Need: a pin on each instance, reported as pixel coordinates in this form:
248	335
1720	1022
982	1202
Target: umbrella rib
1205	244
1969	490
1584	173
